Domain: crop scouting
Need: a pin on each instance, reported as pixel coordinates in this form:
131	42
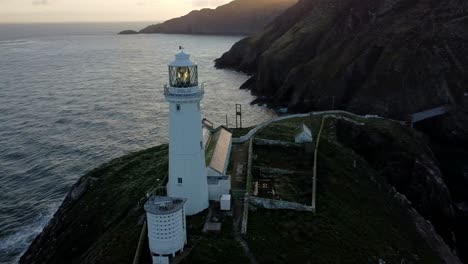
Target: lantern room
183	73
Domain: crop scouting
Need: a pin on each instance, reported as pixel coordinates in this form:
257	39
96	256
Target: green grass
357	222
286	130
102	226
211	148
239	132
294	187
214	247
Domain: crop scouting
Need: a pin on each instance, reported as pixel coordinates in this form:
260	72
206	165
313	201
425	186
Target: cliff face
409	165
242	17
101	218
386	57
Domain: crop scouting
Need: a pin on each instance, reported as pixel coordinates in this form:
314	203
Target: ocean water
75	96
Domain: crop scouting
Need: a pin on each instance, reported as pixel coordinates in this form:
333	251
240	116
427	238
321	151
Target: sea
73	96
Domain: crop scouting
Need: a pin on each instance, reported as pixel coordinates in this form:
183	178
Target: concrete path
438	111
240	240
252	132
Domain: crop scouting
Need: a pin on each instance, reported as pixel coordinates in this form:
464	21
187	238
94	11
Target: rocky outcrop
239	17
391	58
408	164
100	220
426	230
128	32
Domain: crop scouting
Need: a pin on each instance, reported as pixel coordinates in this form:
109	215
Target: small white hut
303	135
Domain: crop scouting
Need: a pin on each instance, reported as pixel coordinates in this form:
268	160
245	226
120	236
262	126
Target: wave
15	245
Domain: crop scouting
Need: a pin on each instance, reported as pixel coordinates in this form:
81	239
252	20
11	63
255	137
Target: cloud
203	3
40	2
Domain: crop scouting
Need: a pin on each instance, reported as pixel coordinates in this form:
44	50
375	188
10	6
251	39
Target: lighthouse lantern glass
183	77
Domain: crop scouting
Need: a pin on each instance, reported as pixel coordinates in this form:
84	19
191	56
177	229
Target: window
201	144
179	180
198	106
178	107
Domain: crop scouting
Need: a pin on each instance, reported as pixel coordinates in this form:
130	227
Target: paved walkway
437	111
252	132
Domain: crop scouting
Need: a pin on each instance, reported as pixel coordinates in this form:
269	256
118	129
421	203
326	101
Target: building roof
226	197
182	59
222	139
305	129
214	180
163	205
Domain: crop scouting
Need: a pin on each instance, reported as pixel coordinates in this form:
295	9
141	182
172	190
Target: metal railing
184	92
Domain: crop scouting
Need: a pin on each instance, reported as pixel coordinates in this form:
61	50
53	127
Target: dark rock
391	58
128	32
409	165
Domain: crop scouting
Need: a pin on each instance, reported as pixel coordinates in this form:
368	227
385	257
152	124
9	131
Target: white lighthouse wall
166	233
187	156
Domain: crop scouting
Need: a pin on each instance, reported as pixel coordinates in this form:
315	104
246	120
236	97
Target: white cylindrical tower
187	165
167	233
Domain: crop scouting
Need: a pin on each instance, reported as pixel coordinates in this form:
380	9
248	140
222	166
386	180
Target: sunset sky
26	11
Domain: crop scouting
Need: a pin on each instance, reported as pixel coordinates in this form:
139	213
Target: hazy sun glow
25	11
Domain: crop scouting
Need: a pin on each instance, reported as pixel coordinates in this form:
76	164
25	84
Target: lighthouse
187	165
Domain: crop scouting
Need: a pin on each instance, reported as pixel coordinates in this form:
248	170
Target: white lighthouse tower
187	165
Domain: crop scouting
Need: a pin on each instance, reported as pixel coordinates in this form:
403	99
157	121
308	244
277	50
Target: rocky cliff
101	218
386	57
240	17
393	58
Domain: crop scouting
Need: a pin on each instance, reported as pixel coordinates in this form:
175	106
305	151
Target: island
364	213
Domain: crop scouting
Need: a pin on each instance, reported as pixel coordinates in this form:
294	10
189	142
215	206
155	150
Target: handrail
187	92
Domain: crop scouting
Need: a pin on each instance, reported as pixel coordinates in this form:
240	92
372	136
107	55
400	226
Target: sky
41	11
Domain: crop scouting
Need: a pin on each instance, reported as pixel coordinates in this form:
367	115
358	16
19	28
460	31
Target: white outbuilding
303	135
225	203
167	233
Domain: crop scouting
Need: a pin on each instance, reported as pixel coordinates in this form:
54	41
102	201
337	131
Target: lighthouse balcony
184	92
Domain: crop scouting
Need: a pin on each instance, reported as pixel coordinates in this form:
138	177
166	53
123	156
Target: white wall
303	138
217	190
166	233
187	156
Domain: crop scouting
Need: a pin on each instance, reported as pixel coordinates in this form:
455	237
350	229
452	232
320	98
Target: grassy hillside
360	219
101	219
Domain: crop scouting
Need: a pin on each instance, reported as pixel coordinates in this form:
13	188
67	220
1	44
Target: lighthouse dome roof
182	59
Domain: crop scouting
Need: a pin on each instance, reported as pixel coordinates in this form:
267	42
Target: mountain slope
243	17
391	58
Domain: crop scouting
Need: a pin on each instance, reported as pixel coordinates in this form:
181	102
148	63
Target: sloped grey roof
304	129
